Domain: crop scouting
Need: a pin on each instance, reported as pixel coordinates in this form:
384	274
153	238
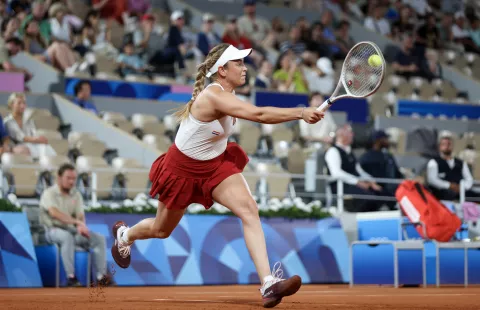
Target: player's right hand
312	116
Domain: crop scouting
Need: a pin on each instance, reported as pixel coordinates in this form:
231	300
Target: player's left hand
311	115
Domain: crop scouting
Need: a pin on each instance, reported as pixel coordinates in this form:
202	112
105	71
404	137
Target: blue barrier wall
207	249
18	262
408	107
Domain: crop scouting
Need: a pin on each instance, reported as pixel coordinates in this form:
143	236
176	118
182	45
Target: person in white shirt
252	26
445	172
321	132
377	21
342	165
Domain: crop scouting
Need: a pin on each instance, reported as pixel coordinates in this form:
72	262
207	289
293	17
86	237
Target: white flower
138	208
153	202
115	205
220	208
140	200
96	205
195	208
128	203
287	203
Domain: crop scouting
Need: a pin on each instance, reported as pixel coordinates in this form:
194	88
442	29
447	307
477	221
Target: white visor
231	53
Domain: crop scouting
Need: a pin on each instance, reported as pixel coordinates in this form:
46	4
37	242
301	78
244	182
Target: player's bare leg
234	194
159	227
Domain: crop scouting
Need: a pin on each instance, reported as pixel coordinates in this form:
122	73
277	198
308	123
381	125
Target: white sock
267	279
125	236
99	276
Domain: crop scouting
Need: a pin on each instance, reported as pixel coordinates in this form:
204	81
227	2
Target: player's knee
249	210
161	234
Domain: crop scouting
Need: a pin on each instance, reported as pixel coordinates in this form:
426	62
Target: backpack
420	206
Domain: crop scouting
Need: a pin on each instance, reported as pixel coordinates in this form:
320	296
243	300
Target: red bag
421	206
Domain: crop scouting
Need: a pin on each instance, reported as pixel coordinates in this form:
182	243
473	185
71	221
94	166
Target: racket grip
325	105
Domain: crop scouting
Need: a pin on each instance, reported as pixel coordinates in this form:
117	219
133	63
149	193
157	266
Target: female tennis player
201	166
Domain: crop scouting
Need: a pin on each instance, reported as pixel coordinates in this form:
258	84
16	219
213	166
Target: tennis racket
358	78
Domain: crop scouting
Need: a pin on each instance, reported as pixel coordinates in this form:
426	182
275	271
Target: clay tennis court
240	297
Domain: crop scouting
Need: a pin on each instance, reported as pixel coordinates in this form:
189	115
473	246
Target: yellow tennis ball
375	61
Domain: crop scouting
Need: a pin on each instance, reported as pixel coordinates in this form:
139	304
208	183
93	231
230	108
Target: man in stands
61	212
83	91
342	165
445	172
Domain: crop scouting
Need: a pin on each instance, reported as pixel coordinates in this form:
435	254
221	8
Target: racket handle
325	105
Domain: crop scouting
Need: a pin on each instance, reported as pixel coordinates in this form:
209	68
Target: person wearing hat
380	163
207	38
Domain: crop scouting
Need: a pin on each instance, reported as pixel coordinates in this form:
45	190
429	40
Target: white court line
202	300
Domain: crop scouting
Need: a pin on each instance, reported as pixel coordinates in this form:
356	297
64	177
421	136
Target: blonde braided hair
203	68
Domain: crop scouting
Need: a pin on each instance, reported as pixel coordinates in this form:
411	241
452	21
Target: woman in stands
201	166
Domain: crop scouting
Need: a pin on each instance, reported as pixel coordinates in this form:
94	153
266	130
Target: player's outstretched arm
229	104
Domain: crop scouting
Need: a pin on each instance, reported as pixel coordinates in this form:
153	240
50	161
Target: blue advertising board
450	110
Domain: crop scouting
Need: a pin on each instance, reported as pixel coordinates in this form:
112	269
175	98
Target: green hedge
7	206
292	213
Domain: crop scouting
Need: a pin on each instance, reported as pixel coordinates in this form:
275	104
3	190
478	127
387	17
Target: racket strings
359	77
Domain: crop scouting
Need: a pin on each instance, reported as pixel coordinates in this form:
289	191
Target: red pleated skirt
179	180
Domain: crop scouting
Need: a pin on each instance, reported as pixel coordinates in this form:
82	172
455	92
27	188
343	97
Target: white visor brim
231	53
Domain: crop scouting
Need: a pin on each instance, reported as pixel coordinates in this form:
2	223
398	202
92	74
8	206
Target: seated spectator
18	6
3	11
445	172
405	62
62	214
338	51
38	14
61	29
420	7
252	26
277	34
380	163
319	133
403	25
431	67
111	9
208	38
22	131
377	22
461	35
10	28
233	37
428	35
139	7
129	62
343	35
319	74
96	37
4	139
264	77
12	47
475	32
342	165
288	74
294	43
83	91
316	43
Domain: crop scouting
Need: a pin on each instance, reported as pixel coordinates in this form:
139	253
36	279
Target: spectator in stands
445	172
22	131
10	28
3	11
129	62
97	37
233	37
377	22
475	32
208	38
83	91
431	67
61	212
294	43
35	44
264	77
428	35
343	35
253	26
405	63
139	7
321	133
319	73
316	42
4	139
176	46
420	7
342	165
61	29
289	75
337	50
111	9
380	163
38	14
277	34
11	48
461	35
303	25
403	25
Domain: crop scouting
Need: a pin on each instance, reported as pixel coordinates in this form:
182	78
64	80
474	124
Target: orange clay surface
240	297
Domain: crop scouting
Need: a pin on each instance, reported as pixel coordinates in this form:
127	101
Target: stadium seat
49	134
93	148
398	139
148	123
296	159
119	120
278	185
136	181
52	163
251	178
22	180
282	133
105	174
4	111
43	121
249	135
159	142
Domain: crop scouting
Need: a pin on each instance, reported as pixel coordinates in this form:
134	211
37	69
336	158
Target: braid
199	85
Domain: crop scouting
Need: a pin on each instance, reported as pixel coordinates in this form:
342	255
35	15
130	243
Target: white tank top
204	140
